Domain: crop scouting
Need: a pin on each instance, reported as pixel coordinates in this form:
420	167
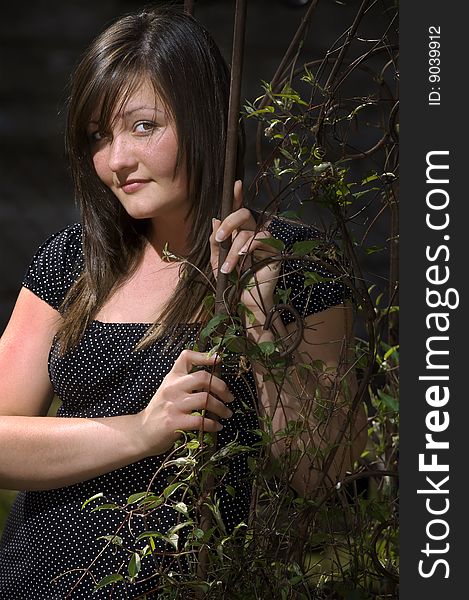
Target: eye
97	136
144	127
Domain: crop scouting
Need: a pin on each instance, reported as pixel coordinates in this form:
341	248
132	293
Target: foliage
6	499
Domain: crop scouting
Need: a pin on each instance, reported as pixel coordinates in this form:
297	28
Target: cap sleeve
298	276
56	266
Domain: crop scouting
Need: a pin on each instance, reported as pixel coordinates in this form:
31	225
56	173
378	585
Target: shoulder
310	283
56	265
290	232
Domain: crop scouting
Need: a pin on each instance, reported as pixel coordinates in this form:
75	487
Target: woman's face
137	158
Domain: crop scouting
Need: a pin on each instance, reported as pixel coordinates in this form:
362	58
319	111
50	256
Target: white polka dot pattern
47	533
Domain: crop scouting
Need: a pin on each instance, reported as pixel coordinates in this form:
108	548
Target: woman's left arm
319	401
316	393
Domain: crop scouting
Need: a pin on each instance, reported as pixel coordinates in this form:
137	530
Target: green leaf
374	249
209	302
390	351
244	311
193	445
136	497
180	526
181	507
114	539
389	401
283	295
171	489
108	580
342	189
110	506
134	565
100	495
319	364
321	167
173	539
372	177
231	491
198	533
305	246
358	195
212	325
151	501
234	343
255	113
294	139
149	534
266	348
277	244
312	278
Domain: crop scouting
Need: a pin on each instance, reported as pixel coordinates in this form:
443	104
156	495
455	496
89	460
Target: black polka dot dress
49	541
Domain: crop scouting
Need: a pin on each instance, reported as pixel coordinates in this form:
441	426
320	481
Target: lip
133	185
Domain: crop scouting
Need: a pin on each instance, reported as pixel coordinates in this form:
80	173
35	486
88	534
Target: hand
247	248
180	394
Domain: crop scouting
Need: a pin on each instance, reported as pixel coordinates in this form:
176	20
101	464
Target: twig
226	209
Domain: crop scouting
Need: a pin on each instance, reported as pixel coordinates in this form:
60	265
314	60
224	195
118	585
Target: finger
240	219
204	401
257	243
190	358
246	243
214	245
215	226
238	195
233	255
196	422
202	381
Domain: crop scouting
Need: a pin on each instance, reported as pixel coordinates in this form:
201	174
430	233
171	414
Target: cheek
101	167
163	154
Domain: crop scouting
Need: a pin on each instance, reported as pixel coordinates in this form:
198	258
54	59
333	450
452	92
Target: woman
103	317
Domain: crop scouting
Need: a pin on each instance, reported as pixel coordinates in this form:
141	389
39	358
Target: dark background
40	42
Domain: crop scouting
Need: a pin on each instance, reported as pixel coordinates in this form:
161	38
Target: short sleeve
307	295
56	266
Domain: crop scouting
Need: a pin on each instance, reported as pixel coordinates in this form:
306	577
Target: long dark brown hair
178	56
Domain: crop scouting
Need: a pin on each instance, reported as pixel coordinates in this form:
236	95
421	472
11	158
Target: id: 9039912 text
434	65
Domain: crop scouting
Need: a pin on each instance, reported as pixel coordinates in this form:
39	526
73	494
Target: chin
149	208
142	210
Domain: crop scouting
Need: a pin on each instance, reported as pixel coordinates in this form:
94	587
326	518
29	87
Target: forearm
287	397
320	404
40	453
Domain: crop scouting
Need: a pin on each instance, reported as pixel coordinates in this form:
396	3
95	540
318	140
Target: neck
170	233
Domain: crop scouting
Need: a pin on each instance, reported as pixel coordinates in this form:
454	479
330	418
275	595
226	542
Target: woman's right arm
40	452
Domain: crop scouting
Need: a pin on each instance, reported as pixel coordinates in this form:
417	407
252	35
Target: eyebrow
126	113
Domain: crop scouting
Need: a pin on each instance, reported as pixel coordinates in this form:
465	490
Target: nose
120	154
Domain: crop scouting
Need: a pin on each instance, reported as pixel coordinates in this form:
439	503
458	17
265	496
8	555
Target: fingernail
219	426
220	235
225	268
213	223
244	250
230	414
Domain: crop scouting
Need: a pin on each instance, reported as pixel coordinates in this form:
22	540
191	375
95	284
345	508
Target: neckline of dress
133	324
